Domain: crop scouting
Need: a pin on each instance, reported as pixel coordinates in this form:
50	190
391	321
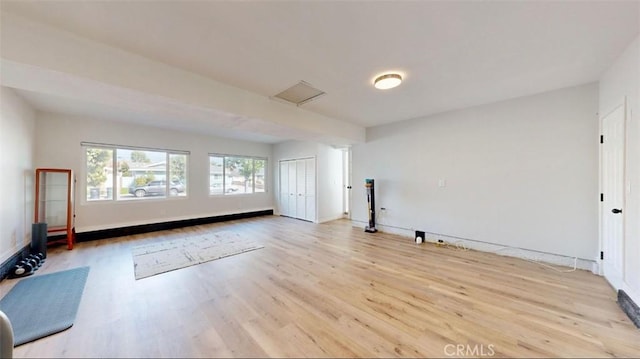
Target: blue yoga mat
45	304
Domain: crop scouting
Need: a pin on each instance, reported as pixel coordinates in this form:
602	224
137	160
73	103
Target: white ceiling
452	54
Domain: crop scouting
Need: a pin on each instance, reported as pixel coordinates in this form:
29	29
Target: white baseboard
531	255
329	219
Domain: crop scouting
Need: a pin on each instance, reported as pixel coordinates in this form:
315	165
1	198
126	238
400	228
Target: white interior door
292	189
310	189
284	188
613	173
346	182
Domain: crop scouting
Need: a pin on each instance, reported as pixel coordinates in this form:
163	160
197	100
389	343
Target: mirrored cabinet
54	204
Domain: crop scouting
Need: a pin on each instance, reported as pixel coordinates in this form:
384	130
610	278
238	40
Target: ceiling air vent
300	93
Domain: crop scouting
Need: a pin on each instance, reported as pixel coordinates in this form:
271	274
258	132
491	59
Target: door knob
616	211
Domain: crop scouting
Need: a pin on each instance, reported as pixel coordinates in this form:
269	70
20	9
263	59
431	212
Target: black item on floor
39	238
371	203
21	269
27	266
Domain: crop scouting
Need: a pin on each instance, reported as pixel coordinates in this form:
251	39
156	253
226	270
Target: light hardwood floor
331	290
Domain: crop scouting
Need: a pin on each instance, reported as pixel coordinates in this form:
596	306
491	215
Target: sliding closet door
301	195
298	189
292	190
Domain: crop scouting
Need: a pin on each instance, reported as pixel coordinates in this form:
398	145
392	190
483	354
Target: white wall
17	123
330	183
328	174
620	81
521	173
58	139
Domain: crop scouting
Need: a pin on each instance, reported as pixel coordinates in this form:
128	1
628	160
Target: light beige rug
161	257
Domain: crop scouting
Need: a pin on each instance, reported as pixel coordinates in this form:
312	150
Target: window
216	175
139	173
99	167
229	175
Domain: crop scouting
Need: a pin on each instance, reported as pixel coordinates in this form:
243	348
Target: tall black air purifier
371	203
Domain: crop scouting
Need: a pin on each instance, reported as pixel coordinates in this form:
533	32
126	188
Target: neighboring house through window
231	174
130	173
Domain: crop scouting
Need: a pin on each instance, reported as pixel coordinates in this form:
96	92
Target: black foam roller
39	238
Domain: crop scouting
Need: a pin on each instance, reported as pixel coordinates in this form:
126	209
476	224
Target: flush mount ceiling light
387	81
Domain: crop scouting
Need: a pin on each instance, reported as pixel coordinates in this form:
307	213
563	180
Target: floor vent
300	93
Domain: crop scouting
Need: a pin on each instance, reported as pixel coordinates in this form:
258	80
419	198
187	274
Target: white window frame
114	175
224	168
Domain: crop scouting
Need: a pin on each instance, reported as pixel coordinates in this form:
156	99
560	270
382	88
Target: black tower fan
371	202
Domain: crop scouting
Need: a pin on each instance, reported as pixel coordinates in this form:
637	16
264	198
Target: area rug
44	304
161	257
